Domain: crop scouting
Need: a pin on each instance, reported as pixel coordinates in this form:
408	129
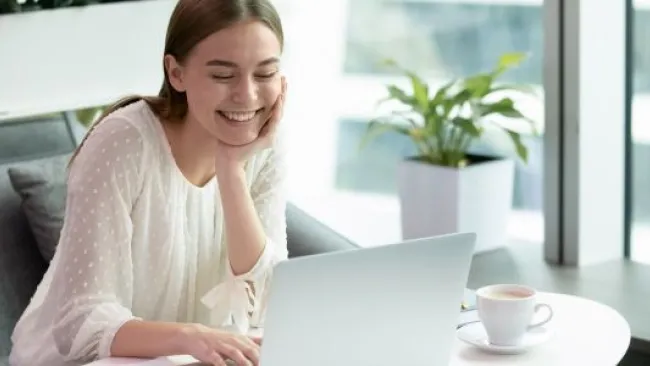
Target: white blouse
141	242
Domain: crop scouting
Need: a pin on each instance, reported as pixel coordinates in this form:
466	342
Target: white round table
584	333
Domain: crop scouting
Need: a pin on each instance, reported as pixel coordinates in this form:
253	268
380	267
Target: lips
238	117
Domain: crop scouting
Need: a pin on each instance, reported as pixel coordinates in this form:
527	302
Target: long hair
190	23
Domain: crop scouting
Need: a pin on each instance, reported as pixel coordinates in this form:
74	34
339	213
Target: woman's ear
174	73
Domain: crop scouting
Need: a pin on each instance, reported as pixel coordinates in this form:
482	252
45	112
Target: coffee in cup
506	312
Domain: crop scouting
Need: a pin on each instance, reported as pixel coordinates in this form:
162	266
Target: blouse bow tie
229	301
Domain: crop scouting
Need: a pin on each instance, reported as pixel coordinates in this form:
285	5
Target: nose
244	91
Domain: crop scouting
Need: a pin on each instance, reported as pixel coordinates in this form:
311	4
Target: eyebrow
268	61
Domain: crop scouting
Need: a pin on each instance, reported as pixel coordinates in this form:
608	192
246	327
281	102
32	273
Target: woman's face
231	80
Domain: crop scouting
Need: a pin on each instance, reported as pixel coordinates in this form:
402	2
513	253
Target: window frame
577	49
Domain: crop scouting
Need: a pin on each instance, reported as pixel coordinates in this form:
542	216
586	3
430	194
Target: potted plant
446	188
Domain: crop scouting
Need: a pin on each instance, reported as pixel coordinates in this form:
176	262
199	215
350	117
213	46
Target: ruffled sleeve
93	278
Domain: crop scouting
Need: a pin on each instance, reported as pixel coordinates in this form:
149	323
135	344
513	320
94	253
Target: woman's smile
240	117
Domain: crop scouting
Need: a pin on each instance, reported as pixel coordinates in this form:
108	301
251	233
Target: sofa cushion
307	236
41	185
21	264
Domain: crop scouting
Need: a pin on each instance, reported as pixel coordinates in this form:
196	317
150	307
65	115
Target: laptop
391	305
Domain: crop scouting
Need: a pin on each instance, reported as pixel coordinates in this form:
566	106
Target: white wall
67	58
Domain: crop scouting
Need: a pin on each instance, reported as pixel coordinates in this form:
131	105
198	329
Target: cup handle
548	318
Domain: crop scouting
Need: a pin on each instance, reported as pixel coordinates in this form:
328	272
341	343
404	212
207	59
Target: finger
215	359
272	116
249	348
276	114
284	86
208	355
278	101
256	339
276	111
283	95
269	128
234	354
264	132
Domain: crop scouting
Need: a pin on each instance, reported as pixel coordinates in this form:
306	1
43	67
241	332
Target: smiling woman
232	73
226	72
155	187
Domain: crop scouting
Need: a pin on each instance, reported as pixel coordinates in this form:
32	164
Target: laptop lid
397	304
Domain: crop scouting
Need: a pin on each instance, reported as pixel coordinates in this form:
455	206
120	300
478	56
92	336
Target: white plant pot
438	200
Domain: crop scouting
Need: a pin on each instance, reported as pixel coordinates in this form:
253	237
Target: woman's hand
229	156
214	346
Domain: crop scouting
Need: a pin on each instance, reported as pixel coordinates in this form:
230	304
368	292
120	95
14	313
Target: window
640	174
338	51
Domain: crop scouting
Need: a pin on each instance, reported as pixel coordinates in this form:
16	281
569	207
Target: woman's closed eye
223	77
266	75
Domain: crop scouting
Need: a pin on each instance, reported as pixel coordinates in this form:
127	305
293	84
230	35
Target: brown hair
190	23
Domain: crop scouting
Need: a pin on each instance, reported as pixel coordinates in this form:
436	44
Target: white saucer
475	335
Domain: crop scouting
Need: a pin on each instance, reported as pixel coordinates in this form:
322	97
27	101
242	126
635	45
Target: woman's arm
93	273
245	234
155	339
255	233
255	217
148	339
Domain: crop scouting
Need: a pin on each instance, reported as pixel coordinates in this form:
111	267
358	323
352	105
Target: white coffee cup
506	312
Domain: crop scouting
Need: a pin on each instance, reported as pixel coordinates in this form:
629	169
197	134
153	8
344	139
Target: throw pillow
42	186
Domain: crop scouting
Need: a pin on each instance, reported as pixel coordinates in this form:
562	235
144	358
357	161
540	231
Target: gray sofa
21	264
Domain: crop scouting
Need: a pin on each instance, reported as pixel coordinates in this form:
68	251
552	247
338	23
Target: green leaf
377	128
420	98
432	123
467	126
440	105
420	92
441	93
479	85
408	119
448	105
389	62
462	97
520	148
504	107
398	94
509	60
88	115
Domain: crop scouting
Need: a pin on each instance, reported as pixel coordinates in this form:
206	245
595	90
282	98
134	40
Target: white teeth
239	116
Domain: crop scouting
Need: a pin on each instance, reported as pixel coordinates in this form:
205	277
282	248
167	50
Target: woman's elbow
64	337
76	340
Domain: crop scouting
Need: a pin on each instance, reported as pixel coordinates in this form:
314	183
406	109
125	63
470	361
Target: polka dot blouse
141	242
